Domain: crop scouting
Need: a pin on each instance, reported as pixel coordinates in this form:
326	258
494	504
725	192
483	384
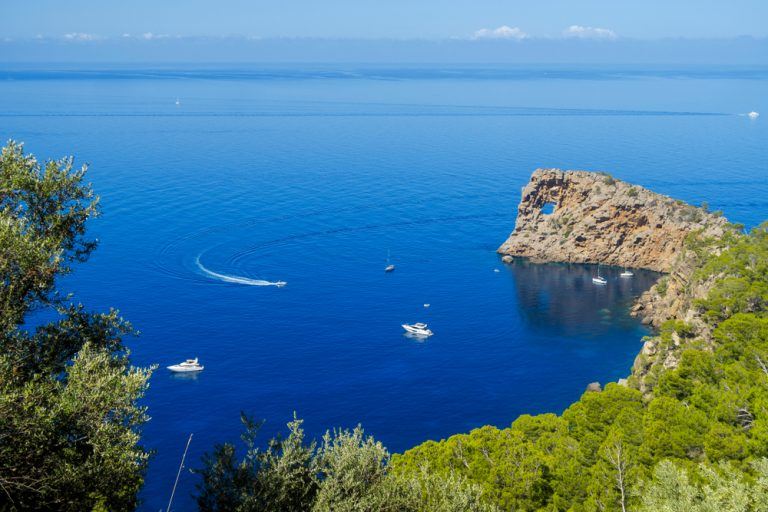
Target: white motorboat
753	115
190	365
627	273
418	329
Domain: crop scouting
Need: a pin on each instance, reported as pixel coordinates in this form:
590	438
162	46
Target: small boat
426	305
627	273
418	329
598	279
178	102
753	115
190	365
280	284
496	270
390	267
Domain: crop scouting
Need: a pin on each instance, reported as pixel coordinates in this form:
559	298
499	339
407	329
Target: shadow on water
561	297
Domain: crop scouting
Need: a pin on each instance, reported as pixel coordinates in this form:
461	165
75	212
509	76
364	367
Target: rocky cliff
587	217
598	219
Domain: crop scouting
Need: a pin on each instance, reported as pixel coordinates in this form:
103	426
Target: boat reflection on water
562	296
185	375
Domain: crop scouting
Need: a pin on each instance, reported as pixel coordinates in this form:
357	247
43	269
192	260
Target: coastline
591	217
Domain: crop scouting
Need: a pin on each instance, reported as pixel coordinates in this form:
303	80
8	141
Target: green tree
719	488
282	477
69	435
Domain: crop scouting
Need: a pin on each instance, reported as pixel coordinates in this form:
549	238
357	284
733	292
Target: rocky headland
590	217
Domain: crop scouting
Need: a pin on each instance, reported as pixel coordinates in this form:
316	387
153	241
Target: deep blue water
313	176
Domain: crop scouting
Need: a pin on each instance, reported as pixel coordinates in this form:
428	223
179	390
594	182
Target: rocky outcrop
598	219
587	217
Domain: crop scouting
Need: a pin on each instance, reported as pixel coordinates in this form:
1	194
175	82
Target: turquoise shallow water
312	176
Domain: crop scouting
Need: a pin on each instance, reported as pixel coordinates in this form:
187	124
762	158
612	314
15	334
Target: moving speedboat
418	329
190	365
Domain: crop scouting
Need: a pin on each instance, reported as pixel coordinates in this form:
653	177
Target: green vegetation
662	285
346	472
632	192
719	488
68	413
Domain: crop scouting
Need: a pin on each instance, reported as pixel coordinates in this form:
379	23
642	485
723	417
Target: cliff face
598	219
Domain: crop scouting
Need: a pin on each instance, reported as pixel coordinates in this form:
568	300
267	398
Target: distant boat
427	305
627	273
390	267
496	270
598	279
190	365
418	329
753	115
178	102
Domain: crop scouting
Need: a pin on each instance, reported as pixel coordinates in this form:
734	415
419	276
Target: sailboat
390	267
598	279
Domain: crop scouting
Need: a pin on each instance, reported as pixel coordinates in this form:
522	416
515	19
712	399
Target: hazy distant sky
432	19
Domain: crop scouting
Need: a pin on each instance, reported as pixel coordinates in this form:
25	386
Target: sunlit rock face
599	219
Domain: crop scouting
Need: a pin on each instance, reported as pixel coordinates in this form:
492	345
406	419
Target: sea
217	182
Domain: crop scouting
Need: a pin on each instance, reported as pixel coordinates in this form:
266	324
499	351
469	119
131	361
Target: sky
384	19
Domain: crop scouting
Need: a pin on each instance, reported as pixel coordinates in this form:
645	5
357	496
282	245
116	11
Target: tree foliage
69	436
346	472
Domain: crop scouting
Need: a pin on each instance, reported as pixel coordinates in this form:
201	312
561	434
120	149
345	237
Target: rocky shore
598	219
590	217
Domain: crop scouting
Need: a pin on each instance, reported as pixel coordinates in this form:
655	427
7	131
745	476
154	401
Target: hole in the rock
548	208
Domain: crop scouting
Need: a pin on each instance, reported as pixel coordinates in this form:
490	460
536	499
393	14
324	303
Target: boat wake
236	279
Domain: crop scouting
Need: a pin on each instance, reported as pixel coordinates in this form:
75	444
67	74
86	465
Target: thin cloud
81	36
581	32
503	32
148	36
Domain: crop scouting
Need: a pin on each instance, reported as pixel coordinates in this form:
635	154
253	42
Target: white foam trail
236	279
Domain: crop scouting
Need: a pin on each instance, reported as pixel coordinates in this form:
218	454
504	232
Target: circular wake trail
236	279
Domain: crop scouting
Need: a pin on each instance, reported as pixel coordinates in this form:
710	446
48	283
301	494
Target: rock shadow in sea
561	298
